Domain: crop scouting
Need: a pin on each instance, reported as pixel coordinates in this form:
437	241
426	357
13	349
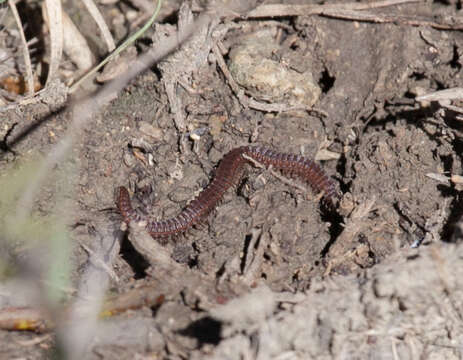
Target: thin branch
385	18
439	95
279	10
35	319
352	11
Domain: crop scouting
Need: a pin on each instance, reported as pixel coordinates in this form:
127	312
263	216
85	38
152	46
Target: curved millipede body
228	174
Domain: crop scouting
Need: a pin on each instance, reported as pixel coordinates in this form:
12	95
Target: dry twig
35	319
385	18
280	10
352	11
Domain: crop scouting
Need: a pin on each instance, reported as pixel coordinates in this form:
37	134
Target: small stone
194	136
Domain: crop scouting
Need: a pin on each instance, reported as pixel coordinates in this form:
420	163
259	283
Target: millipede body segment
228	174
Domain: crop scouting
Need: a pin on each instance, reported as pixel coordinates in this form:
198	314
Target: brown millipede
228	174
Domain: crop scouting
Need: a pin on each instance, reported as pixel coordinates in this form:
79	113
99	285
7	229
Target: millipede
228	174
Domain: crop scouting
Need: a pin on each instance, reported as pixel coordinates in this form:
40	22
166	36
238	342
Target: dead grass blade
52	13
27	57
121	48
96	14
75	45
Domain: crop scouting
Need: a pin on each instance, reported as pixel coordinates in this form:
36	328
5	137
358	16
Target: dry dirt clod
253	66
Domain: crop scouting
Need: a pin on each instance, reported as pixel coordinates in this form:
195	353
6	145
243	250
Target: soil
327	283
